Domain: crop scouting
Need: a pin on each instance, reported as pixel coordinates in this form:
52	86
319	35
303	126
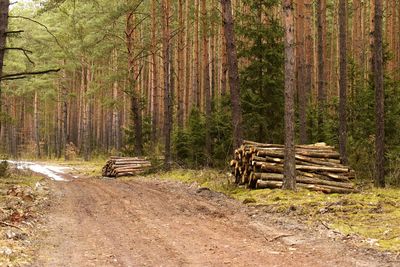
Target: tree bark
343	80
167	85
4	6
135	92
289	181
206	78
301	71
181	62
37	125
233	72
188	56
321	24
196	71
379	97
224	65
155	89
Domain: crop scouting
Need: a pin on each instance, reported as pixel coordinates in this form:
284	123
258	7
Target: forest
199	133
187	81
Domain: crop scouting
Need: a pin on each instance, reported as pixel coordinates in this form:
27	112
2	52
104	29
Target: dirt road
97	222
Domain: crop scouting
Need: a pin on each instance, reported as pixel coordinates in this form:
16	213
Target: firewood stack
123	166
318	167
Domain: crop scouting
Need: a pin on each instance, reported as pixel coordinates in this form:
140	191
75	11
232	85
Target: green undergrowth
373	214
19	177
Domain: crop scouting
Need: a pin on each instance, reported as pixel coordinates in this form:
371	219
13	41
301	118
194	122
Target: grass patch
19	177
373	214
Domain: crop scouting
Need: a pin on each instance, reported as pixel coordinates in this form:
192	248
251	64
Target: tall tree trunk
289	181
233	72
224	64
321	24
181	62
343	80
196	71
206	77
309	50
379	97
37	124
87	115
4	6
134	89
301	71
116	125
167	80
65	137
155	88
188	54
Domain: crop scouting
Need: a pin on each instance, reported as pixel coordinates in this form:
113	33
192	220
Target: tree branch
13	32
22	75
25	51
41	24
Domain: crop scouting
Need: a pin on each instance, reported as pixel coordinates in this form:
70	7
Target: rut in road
95	222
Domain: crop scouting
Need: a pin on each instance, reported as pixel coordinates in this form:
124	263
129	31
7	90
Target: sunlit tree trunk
343	80
155	88
321	24
4	5
196	67
301	71
180	77
289	181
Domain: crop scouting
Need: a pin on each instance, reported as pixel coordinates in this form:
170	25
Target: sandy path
97	222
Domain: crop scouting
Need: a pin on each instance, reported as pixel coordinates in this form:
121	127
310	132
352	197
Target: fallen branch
10	225
279	236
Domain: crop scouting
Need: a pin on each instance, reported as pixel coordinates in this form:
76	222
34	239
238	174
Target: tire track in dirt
97	222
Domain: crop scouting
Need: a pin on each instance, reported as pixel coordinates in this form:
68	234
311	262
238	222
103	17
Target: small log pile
124	166
318	167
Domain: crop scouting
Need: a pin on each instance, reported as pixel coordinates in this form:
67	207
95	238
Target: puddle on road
53	172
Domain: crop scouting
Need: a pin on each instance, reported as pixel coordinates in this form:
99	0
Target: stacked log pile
124	166
318	167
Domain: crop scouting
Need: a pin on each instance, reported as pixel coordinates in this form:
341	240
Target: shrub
4	168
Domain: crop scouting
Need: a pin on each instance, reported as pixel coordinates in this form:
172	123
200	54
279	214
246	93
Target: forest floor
154	221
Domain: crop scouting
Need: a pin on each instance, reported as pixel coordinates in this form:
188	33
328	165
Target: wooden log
312	146
324	176
321	169
302	179
335	176
131	166
317	161
268	184
320	188
330	155
266	159
272	167
328	189
270	153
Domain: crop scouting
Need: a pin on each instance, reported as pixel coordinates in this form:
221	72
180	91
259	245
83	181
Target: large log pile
318	167
123	166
